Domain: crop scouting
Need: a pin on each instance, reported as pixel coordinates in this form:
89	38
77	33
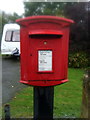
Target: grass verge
67	98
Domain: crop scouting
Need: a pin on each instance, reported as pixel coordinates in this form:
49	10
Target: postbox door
45	56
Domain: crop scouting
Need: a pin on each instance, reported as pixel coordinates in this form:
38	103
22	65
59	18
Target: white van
10	43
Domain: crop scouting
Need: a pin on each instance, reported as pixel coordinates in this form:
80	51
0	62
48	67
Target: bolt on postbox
44	44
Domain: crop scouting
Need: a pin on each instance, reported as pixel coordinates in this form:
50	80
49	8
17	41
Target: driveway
10	78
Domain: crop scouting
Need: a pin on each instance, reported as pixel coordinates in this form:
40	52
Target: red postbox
44	50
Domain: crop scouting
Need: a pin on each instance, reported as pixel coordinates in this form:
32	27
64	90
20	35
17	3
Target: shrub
78	60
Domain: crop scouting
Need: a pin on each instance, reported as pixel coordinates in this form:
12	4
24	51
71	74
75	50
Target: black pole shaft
7	112
43	103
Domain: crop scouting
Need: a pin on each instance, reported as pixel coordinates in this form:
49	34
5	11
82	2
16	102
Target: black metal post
43	103
7	112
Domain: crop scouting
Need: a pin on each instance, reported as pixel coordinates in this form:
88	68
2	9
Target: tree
9	18
79	33
0	25
43	8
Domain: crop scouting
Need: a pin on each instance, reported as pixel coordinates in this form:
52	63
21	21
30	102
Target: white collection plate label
44	60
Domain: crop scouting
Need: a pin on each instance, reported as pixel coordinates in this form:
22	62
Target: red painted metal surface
44	34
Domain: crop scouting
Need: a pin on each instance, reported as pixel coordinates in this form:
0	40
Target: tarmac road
10	78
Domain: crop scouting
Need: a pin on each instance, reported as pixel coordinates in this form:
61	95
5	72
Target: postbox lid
33	19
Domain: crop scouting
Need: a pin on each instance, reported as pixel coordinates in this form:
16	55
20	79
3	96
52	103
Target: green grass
67	98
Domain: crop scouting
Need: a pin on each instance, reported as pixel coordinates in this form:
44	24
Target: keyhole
45	42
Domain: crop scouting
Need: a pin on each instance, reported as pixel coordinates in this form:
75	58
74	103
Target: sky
11	6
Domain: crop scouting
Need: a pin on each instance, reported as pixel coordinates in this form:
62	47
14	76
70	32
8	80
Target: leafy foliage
43	8
9	18
78	60
79	31
0	26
